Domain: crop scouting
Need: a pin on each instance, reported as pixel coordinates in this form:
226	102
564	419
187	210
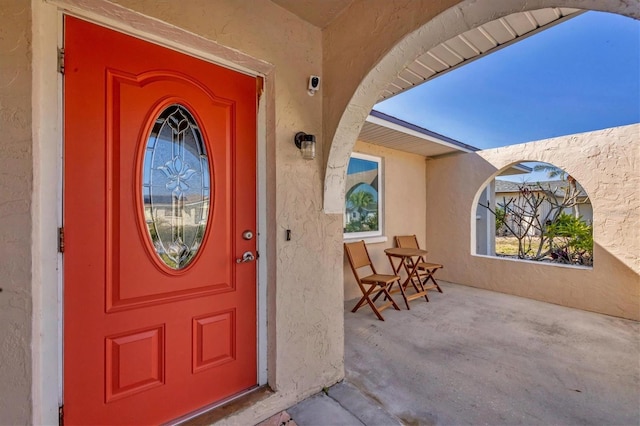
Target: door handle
246	257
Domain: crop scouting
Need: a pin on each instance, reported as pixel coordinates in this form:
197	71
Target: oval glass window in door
176	187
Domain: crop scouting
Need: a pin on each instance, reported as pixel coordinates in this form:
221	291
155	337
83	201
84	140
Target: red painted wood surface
143	343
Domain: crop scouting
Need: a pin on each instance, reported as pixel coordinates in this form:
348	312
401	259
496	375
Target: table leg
414	274
402	286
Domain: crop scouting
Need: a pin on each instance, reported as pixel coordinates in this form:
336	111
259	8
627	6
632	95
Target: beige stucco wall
15	218
305	346
405	204
355	56
607	165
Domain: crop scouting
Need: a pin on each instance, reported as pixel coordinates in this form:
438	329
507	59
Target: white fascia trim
401	129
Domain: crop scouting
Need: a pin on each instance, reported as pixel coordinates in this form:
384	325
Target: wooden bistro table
409	259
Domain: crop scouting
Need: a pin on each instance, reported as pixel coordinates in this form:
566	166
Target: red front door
159	187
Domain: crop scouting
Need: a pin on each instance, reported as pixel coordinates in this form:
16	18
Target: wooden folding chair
425	269
359	258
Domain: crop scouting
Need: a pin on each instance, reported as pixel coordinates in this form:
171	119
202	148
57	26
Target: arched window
543	214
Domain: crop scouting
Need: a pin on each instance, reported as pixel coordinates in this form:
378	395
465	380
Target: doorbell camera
314	84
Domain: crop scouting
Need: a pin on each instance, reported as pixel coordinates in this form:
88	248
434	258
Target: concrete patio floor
477	357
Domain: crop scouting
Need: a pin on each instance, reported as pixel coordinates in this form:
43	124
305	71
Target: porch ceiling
388	131
474	44
318	13
451	54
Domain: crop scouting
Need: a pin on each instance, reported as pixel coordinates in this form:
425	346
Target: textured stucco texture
356	55
606	163
404	210
15	218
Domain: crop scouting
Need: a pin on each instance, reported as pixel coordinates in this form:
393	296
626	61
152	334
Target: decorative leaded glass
176	186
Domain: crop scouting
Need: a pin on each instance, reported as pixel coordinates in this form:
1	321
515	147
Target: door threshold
221	409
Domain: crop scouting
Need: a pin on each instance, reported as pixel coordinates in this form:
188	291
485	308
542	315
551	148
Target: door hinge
61	415
61	60
60	240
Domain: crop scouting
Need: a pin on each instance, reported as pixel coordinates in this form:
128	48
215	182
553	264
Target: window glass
176	187
363	198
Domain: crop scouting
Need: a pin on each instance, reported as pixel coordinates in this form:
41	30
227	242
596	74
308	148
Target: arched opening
534	211
466	15
449	239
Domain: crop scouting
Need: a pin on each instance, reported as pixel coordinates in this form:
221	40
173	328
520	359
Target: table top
405	252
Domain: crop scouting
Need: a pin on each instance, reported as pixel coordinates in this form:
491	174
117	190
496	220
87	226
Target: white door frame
47	96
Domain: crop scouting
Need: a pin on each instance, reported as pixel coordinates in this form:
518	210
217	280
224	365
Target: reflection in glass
176	186
362	201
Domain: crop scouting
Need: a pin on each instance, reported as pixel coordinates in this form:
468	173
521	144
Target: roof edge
422	131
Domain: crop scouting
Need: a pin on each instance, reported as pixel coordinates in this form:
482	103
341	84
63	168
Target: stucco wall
405	204
305	307
357	41
606	163
396	33
306	281
15	218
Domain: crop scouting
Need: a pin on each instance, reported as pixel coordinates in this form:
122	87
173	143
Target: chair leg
363	299
385	290
421	289
378	294
375	310
366	299
425	293
404	295
430	277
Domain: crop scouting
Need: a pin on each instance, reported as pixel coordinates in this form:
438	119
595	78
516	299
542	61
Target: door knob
246	257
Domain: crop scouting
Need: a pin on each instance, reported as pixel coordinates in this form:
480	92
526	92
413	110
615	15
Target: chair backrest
358	256
407	241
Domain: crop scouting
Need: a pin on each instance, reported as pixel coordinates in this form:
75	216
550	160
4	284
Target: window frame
380	231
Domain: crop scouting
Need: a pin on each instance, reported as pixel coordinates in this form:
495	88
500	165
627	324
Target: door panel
124	261
152	331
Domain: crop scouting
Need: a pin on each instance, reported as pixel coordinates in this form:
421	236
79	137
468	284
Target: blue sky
581	75
357	165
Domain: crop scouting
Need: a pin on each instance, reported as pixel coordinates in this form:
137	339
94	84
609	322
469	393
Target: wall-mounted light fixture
307	144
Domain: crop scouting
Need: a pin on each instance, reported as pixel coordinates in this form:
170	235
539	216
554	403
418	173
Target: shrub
571	240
